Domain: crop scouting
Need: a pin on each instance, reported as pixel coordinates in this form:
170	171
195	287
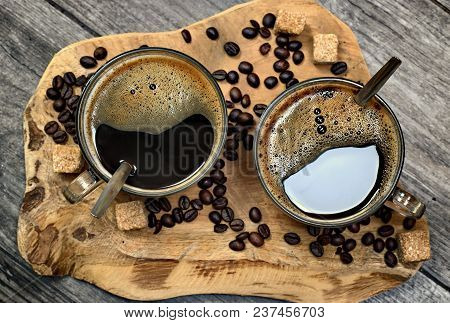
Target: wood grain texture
36	21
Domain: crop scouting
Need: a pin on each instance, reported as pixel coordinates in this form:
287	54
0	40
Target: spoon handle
377	81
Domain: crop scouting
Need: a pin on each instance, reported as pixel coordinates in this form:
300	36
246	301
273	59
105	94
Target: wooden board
57	238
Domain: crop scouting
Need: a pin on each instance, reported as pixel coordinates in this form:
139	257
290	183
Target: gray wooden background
417	31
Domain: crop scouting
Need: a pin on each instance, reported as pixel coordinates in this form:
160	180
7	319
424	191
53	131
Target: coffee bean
165	204
386	230
245	102
247	142
220	75
270	82
242	130
227	214
237	225
88	62
339	230
230	155
281	53
231	144
219	164
72	102
197	204
232	77
220	228
75	139
69	78
280	65
384	213
253	80
152	205
245	118
259	109
313	231
184	202
264	49
57	82
212	33
282	40
81	80
60	137
177	215
249	32
366	221
158	227
391	244
298	57
230	105
291	83
378	245
186	35
151	220
242	236
64	116
235	94
409	223
390	259
349	245
286	76
346	258
338	251
255	24
265	32
245	67
354	227
144	46
264	231
338	68
221	181
70	128
66	92
324	239
269	20
216	175
190	215
294	45
367	239
327	231
206	197
316	249
256	239
205	183
232	49
292	238
53	94
167	221
255	214
51	127
233	115
220	203
337	239
219	190
100	53
215	217
236	245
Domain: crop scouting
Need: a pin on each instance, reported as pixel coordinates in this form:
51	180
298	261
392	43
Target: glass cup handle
81	186
405	204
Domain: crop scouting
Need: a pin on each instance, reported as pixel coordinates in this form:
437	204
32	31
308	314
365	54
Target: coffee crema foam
289	139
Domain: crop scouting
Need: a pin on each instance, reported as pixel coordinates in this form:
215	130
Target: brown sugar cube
413	246
67	159
131	215
325	48
291	23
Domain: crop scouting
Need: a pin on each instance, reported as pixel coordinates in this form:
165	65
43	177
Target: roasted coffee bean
219	164
378	245
337	239
66	92
324	239
235	94
253	80
70	128
158	227
236	245
384	213
242	130
221	181
242	236
409	223
231	144
245	118
327	231
186	35
81	80
165	204
316	249
270	82
249	32
245	67
220	228
57	82
346	258
282	40
60	137
100	53
151	220
367	239
51	127
281	53
366	221
231	129
245	102
190	215
354	227
220	75
294	45
255	214
291	83
72	102
349	245
298	57
256	239
69	78
292	238
167	221
247	142
269	20
144	46
314	231
152	205
177	215
53	94
232	49
227	214
255	24
233	115
264	49
237	225
206	197
215	217
339	230
259	109
219	190
197	204
286	76
232	77
280	65
205	183
390	259
75	139
338	68
212	33
264	231
216	175
338	251
230	155
88	62
230	105
386	230
265	32
184	202
220	203
391	244
64	116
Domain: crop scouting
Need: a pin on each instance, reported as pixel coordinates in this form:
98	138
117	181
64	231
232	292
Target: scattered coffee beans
219	164
236	245
316	249
220	75
212	33
265	32
230	155
232	77
197	204
378	245
186	36
245	67
152	205
391	244
232	49
230	105
245	118
184	202
281	53
286	76
264	49
294	45
69	78
338	68
51	127
177	215
367	239
215	217
390	259
158	227
346	258
81	80
247	142
227	214
249	32
167	221
408	223
386	230
255	24
165	204
220	228
219	190
245	102
60	137
259	109
292	238
206	197
100	53
337	239
66	92
366	221
255	214
314	231
57	82
256	239
151	220
354	227
220	203
217	175
280	65
205	183
349	245
269	20
282	40
298	57
88	62
253	80
291	82
324	239
264	231
270	82
237	225
242	236
190	215
235	94
52	94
